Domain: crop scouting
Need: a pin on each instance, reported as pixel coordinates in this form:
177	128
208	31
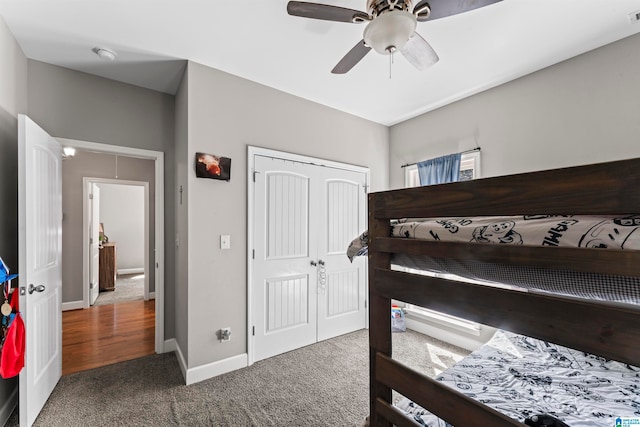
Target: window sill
462	325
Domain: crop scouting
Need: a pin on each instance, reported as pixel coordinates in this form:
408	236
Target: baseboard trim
213	369
169	345
72	305
9	406
152	295
181	362
139	270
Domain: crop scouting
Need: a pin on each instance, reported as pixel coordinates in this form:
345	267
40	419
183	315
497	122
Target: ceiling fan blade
419	53
351	58
443	8
326	12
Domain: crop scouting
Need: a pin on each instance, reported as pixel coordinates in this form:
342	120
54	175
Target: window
469	169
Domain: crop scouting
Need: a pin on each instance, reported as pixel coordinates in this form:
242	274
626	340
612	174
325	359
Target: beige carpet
325	384
129	287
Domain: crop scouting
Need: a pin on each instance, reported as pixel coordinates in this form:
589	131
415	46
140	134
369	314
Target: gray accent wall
13	101
226	114
75	105
583	110
95	165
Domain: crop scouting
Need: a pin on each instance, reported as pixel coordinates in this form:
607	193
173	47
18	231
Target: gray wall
95	165
583	110
225	115
76	105
13	101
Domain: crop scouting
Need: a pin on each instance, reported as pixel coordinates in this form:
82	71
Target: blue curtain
440	170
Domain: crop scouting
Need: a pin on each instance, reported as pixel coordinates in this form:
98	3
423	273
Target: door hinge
365	187
91	240
253	330
365	303
254	175
253	254
90	196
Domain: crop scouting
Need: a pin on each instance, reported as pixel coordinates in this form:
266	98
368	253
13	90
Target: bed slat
443	401
602	261
610	188
610	331
393	414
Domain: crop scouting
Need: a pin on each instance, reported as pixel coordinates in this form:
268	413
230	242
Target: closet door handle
321	262
313	263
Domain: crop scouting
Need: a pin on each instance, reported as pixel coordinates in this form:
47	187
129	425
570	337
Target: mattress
522	376
602	232
577	231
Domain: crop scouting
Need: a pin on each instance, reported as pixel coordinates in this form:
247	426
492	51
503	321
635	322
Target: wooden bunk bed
609	330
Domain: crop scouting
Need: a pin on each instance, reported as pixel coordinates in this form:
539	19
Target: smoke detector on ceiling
104	53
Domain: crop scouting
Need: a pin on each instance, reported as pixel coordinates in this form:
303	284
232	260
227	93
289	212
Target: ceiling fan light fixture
390	31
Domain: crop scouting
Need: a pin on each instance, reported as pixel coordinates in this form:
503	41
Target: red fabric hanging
12	357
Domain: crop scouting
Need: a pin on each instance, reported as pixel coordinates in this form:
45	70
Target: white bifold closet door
304	287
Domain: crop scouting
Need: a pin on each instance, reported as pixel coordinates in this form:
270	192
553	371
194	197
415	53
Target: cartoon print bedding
533	230
577	231
522	376
603	232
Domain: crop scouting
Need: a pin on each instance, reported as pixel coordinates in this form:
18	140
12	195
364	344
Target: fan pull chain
390	63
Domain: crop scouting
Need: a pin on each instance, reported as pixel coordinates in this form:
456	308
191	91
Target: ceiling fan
391	26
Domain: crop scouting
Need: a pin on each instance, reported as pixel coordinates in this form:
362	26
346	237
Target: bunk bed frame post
379	316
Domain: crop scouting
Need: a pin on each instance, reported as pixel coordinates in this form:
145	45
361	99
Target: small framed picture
213	167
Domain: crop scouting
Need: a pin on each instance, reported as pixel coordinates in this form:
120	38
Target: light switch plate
225	241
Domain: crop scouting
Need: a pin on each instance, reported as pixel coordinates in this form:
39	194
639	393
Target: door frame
253	151
90	214
158	158
86	248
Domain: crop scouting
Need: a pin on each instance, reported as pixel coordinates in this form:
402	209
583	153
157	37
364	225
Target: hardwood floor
107	334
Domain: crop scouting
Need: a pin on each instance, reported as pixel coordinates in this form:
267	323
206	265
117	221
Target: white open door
40	251
94	242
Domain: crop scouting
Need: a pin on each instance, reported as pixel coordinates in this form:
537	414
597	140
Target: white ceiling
257	40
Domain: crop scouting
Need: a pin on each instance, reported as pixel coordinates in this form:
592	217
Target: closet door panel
341	284
284	287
